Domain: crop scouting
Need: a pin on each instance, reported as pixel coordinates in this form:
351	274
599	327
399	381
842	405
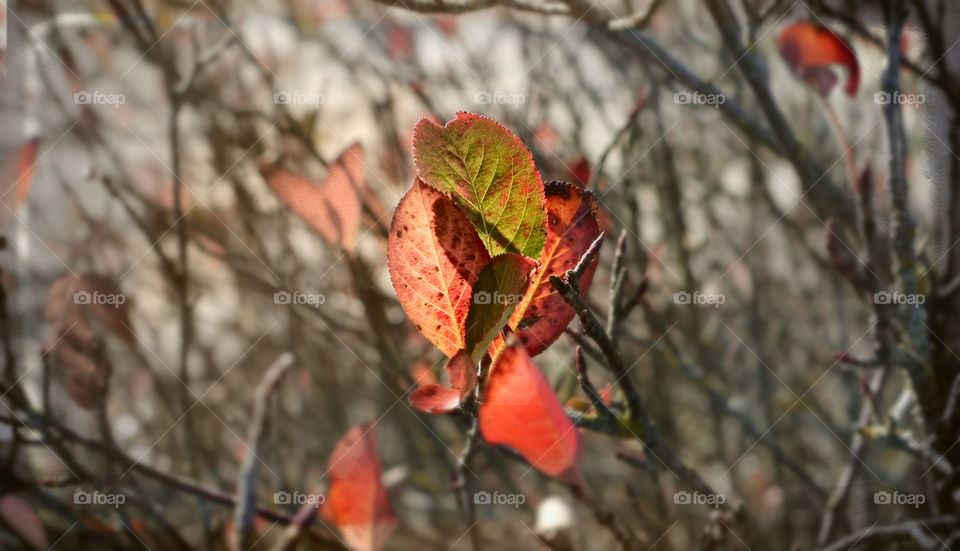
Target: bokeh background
153	120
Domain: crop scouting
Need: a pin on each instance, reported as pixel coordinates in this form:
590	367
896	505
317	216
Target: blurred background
151	276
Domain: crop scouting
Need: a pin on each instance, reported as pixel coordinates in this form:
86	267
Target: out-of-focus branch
917	530
637	20
638	418
828	199
445	6
246	481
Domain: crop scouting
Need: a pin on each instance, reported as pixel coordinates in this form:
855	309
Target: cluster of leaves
471	250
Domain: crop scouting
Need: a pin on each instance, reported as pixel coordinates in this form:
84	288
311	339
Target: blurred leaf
332	208
436	398
21	517
810	50
356	499
19	172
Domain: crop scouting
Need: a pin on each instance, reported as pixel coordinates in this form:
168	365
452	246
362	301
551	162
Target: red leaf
20	516
810	50
434	257
399	42
491	175
520	410
580	172
572	226
435	398
356	499
332	208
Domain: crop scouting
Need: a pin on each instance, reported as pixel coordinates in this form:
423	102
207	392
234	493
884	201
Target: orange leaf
435	398
356	500
332	208
810	50
542	314
520	410
434	257
23	167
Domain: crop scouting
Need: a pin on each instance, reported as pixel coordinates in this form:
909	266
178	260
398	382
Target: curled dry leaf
437	398
491	175
521	411
434	257
811	50
331	208
356	500
542	314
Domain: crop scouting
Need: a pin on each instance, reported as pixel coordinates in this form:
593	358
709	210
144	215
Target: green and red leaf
542	314
356	500
436	398
491	175
434	257
333	208
811	50
521	411
499	288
